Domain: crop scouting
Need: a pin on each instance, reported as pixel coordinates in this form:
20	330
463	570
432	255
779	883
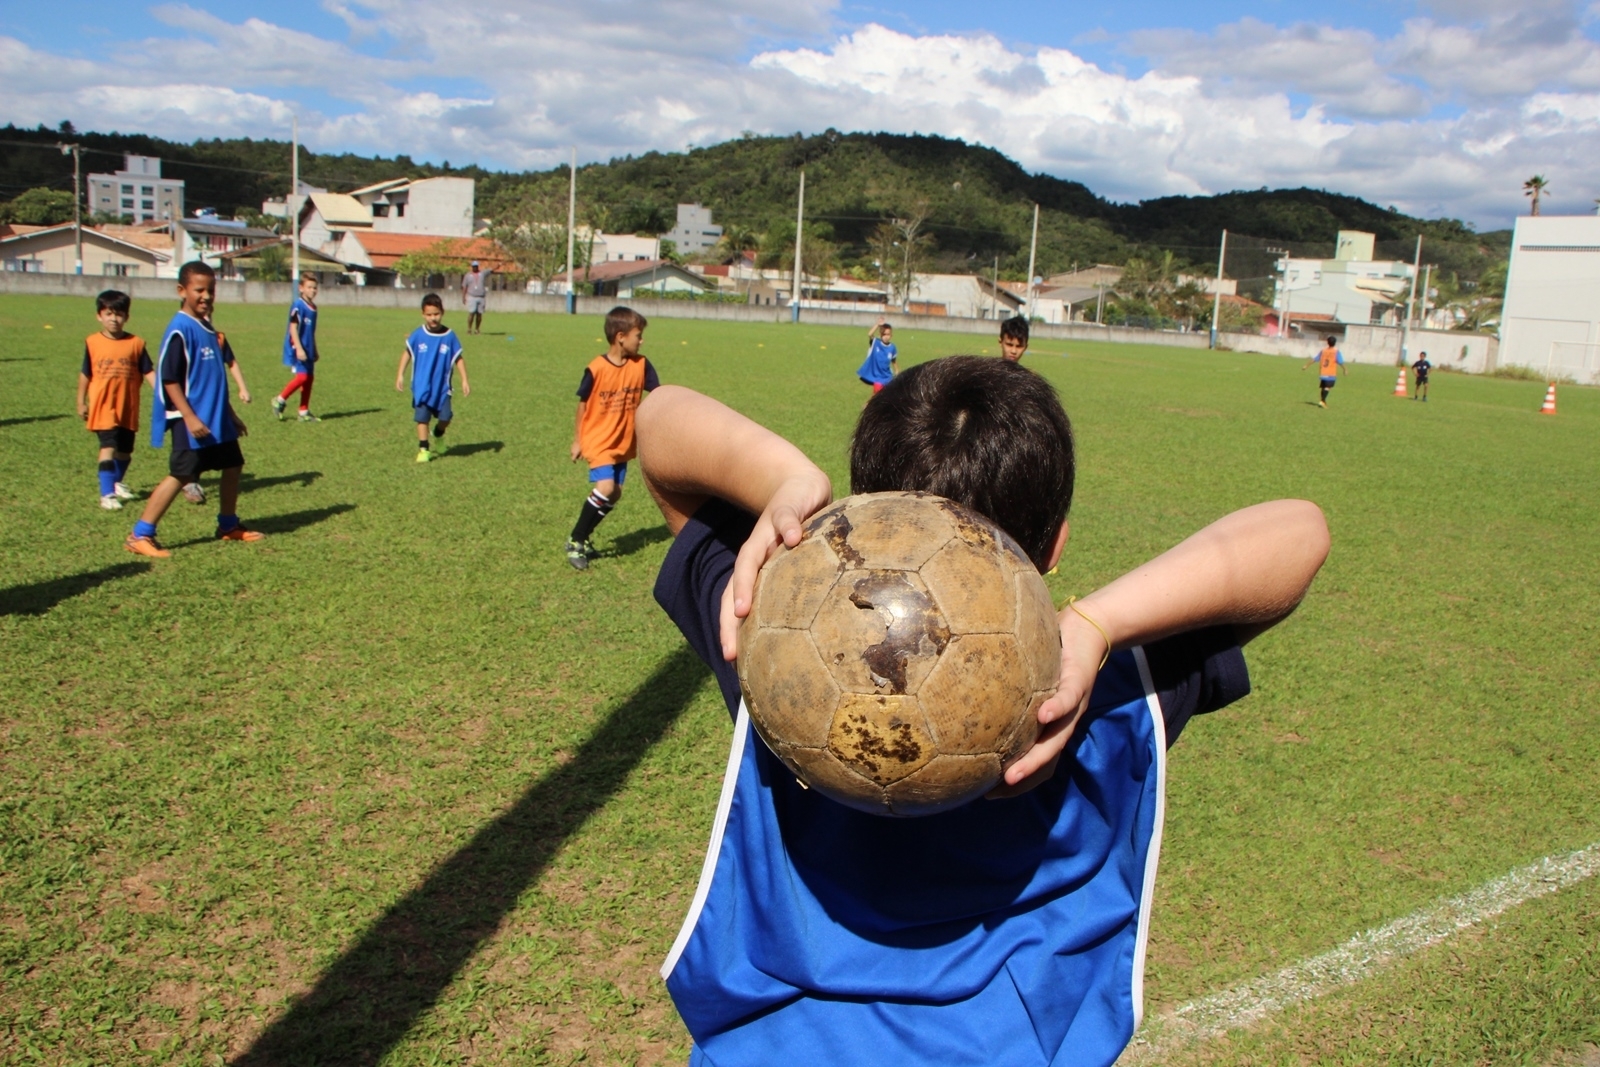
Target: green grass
400	762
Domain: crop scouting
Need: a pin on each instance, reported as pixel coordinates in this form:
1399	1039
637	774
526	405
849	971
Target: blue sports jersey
196	357
302	319
1003	932
876	369
433	357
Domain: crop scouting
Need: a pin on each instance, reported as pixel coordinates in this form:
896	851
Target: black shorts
186	464
117	439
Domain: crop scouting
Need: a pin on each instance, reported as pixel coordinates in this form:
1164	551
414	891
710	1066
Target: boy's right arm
176	401
577	435
692	448
400	374
83	396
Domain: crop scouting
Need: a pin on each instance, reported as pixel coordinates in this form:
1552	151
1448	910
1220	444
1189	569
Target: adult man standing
475	295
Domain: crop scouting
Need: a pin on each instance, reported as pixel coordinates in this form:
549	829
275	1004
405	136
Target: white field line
1357	958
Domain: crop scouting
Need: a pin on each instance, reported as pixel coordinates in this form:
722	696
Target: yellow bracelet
1072	602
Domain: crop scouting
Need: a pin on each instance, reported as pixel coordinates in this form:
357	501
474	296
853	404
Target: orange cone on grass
1549	401
1400	383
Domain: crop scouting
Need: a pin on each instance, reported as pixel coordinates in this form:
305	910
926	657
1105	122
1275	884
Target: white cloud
1214	112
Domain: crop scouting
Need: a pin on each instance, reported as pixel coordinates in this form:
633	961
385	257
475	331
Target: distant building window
380	211
147	205
127	202
120	270
105	200
147	190
127	190
400	210
25	266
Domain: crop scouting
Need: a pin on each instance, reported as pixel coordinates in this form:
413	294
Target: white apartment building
695	232
1551	317
137	191
1350	288
433	207
625	247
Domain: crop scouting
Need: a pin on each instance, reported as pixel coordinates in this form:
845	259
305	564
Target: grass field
397	785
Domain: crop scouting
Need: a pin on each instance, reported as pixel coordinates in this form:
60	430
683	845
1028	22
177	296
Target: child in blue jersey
1008	931
300	350
191	407
879	367
434	352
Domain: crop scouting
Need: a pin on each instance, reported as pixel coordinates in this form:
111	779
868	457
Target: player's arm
692	448
83	387
238	378
400	373
1249	569
461	365
577	434
294	337
176	401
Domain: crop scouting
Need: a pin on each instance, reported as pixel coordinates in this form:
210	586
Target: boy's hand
577	451
795	501
399	385
1082	649
83	412
244	394
466	390
196	428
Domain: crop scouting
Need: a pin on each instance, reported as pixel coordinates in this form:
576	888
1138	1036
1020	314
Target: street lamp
77	210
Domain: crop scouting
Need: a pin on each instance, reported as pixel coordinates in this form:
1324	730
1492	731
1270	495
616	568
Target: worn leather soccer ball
895	659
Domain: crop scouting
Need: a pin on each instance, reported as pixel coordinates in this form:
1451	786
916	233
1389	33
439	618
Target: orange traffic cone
1400	383
1549	401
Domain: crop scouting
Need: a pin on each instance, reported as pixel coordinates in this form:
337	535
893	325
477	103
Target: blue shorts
611	472
1328	383
423	412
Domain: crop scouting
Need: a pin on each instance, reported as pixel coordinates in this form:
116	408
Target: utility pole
1405	331
799	230
994	288
572	227
77	205
1427	290
1033	248
1100	299
292	205
1216	302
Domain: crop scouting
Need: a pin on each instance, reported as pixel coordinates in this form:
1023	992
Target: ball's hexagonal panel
1027	731
888	531
879	631
946	782
974	588
1038	631
790	694
791	586
976	694
880	737
821	770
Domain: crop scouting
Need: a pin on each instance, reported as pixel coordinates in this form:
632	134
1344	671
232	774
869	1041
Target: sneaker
440	448
424	456
145	546
278	404
195	493
578	553
1322	403
306	416
122	492
240	533
110	502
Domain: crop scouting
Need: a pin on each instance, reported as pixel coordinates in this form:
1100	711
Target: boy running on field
191	407
300	349
1330	364
603	432
1010	930
1421	367
879	368
115	364
1014	338
434	352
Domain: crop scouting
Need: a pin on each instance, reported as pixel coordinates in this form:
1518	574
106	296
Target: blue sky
1440	108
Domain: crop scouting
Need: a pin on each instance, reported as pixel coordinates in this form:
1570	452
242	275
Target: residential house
242	262
137	191
968	296
374	256
52	250
206	237
1350	288
626	247
626	279
439	207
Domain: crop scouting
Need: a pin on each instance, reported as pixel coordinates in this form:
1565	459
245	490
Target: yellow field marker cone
1549	401
1400	383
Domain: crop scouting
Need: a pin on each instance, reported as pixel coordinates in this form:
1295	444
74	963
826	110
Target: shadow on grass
249	484
473	449
348	414
39	597
278	525
635	540
21	359
29	418
369	997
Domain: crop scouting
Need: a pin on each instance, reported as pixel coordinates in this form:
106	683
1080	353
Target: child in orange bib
115	365
603	432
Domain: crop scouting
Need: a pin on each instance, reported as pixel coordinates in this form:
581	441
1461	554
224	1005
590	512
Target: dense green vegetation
397	785
971	205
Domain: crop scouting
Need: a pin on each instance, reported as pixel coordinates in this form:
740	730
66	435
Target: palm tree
1535	187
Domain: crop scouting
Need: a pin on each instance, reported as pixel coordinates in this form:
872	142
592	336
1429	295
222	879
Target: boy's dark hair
1016	328
191	268
308	276
985	433
113	300
432	301
1333	342
620	320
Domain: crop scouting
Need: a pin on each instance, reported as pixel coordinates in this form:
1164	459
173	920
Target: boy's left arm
1249	569
461	365
238	378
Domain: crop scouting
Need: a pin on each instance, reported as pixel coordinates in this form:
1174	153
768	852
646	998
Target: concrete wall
1474	353
1551	318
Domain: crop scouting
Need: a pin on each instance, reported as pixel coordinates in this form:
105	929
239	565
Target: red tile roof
387	249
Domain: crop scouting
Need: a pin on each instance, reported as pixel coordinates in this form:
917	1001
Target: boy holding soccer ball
1007	931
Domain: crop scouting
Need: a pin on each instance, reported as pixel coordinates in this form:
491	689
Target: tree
438	258
899	248
531	225
1535	187
39	207
271	264
735	241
